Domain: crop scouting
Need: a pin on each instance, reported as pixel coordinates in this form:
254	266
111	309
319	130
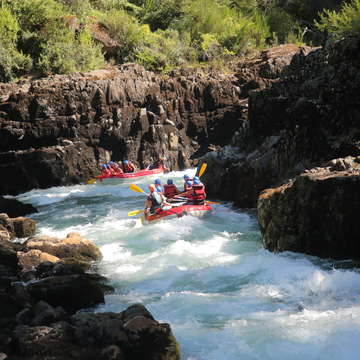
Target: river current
224	296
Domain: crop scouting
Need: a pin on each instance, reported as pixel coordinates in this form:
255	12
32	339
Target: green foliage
12	61
9	27
281	23
56	36
307	10
342	23
164	49
64	51
161	14
32	15
126	30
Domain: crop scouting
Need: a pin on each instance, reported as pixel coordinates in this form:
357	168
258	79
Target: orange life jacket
198	193
170	190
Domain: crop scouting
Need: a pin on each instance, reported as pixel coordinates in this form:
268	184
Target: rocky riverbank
316	212
308	116
58	130
289	110
44	281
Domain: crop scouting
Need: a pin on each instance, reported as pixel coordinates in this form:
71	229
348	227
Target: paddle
202	169
213	202
91	181
137	189
135	212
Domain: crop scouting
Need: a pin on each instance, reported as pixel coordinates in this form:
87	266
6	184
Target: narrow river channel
225	297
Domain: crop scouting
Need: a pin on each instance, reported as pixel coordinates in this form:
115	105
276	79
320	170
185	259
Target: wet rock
72	292
42	342
73	246
97	336
4	234
24	227
301	114
59	132
15	208
316	213
33	258
7	225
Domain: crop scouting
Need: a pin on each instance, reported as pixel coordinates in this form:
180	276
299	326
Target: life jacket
198	193
159	188
170	190
129	168
188	184
156	201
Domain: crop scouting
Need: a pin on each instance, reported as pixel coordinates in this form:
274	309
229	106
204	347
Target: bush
63	51
342	23
161	14
12	62
281	24
163	50
126	30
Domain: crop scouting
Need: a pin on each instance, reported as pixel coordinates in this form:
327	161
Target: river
225	297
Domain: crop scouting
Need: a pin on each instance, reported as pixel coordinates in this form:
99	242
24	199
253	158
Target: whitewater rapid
225	297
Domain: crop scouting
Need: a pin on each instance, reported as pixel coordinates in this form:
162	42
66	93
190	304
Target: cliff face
316	213
56	131
309	114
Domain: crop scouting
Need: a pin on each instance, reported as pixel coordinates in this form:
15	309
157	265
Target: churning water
225	297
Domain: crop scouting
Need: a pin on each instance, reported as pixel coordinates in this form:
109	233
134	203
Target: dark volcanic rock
72	292
309	115
105	336
316	213
58	130
15	208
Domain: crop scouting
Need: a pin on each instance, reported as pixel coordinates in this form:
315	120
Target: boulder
15	208
33	258
73	246
315	213
4	234
97	336
72	292
7	224
24	227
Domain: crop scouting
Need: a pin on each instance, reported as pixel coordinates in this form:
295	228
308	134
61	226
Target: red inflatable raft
177	212
132	175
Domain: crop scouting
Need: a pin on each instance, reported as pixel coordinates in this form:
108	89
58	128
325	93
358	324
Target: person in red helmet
128	166
155	201
170	189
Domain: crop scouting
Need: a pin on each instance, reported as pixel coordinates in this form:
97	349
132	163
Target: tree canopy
64	36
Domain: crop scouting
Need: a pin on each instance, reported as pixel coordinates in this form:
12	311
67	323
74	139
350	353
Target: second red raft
136	174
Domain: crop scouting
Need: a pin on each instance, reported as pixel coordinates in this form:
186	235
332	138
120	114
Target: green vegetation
65	36
343	23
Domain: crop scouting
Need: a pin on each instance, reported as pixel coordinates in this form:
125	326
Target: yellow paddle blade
213	202
91	181
135	212
202	169
135	188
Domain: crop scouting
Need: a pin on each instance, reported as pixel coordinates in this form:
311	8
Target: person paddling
159	188
160	163
128	166
155	201
198	194
188	183
170	189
